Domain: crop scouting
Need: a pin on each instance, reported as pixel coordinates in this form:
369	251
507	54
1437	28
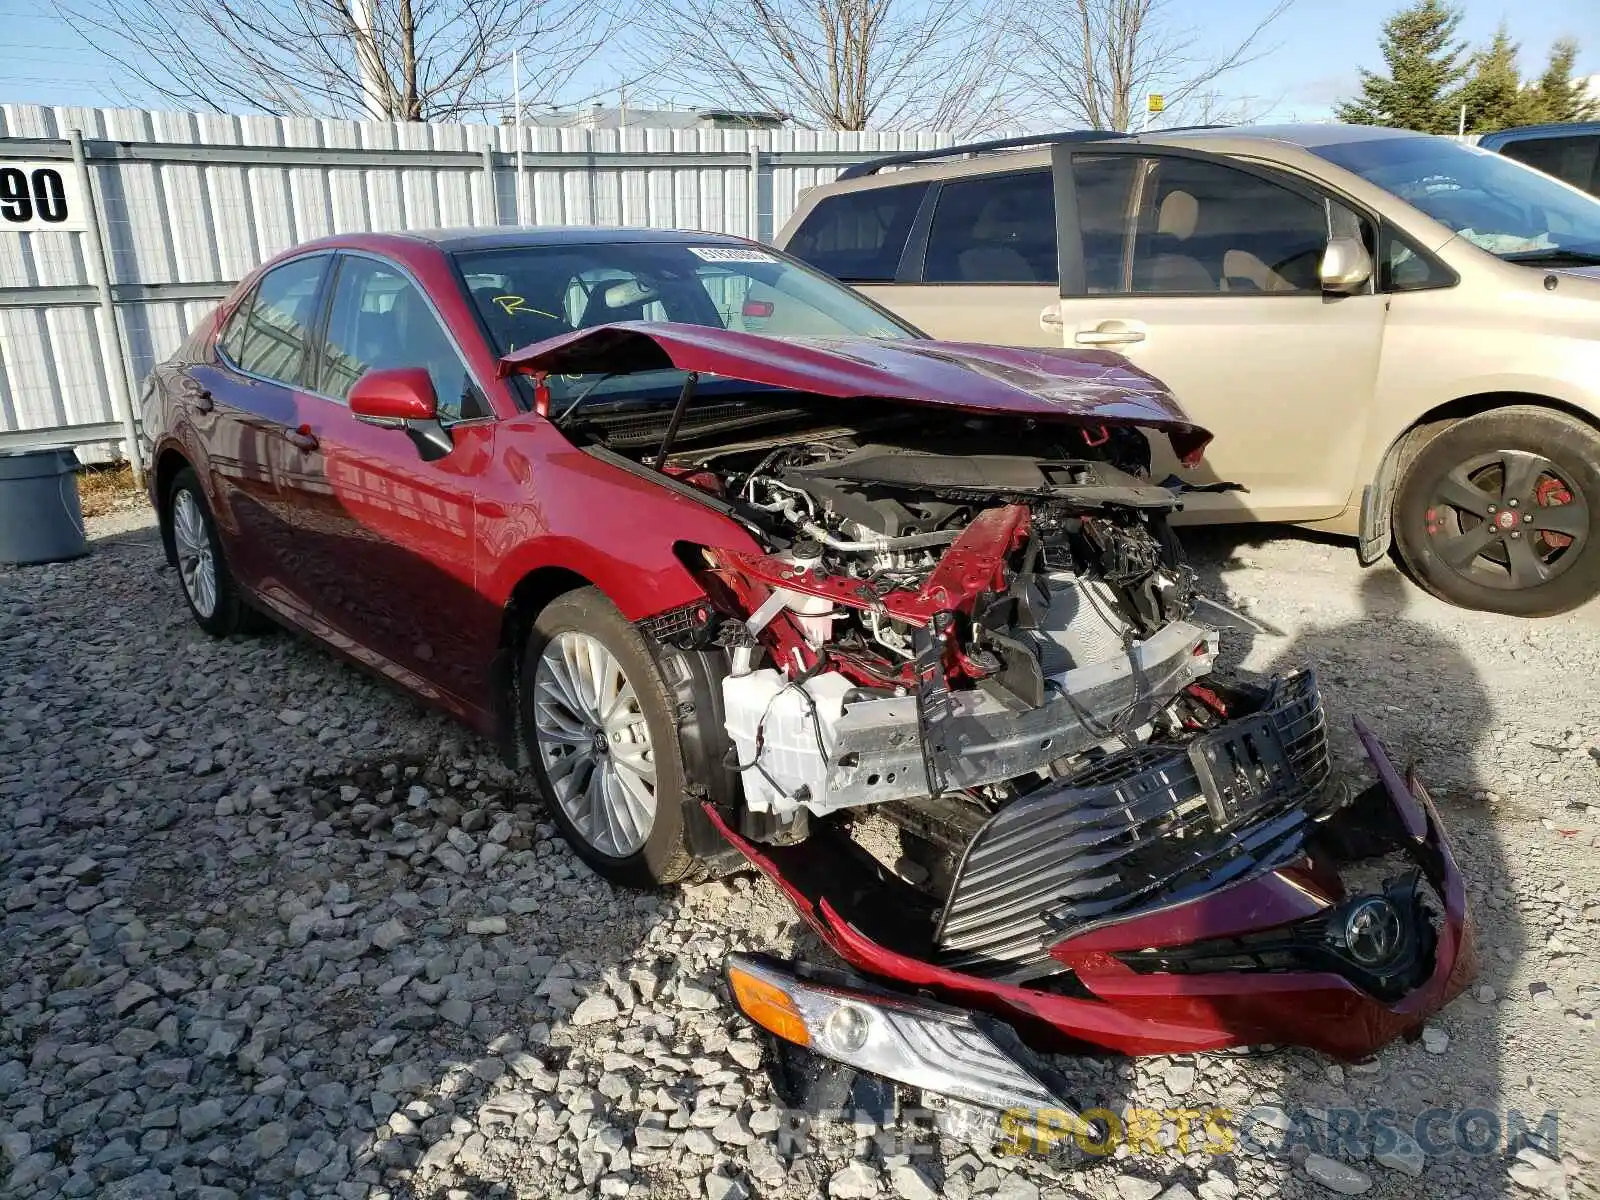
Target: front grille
1129	832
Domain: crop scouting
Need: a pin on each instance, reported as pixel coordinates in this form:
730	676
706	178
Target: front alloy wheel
1496	512
1508	520
594	743
602	737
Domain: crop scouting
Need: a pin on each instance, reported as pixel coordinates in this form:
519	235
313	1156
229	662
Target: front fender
616	527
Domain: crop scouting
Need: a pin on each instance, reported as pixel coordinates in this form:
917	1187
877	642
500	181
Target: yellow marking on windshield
516	304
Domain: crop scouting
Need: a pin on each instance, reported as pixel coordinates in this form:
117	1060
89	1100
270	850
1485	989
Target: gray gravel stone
854	1182
594	1010
1341	1177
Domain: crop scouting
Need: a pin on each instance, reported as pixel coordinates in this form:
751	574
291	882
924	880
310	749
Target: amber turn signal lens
768	1006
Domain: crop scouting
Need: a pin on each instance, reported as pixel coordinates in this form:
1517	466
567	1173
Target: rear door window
270	339
859	236
994	229
1574	160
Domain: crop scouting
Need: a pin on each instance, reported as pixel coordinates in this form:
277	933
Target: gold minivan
1392	335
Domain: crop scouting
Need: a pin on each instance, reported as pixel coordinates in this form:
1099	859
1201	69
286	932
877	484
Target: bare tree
1092	62
833	64
407	60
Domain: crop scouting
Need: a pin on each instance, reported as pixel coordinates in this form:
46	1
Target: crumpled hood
1081	387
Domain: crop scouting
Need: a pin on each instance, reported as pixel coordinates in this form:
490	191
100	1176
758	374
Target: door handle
1050	317
1108	337
202	401
302	438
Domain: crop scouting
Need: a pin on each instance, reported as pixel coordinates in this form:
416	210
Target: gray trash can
40	518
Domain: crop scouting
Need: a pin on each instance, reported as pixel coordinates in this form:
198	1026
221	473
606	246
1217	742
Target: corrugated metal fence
186	204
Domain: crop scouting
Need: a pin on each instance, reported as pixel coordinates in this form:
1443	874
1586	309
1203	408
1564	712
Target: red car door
242	403
384	537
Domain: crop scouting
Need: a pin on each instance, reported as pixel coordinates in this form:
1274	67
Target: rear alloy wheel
1497	513
214	597
599	729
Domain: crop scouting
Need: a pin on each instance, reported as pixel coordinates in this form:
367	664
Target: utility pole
516	132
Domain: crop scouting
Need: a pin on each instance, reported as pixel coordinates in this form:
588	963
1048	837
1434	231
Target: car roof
503	237
499	237
1021	153
1327	133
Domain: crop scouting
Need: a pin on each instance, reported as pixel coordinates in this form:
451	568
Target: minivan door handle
302	437
1110	333
1050	318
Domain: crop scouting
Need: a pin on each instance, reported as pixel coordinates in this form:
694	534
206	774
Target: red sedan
727	555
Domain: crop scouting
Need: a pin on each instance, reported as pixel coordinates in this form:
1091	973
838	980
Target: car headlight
922	1045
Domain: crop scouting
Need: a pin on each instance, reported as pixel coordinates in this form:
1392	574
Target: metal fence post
488	177
113	355
755	189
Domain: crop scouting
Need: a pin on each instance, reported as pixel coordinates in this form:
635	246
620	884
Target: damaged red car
729	558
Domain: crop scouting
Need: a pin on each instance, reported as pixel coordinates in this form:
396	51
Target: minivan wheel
1497	513
214	597
600	734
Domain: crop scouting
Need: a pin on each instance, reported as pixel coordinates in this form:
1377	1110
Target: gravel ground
272	930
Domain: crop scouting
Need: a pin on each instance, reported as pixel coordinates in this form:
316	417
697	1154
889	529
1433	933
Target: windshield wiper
1554	257
584	394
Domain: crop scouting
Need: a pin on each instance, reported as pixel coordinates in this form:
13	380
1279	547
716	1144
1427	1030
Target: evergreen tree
1559	97
1422	88
1493	93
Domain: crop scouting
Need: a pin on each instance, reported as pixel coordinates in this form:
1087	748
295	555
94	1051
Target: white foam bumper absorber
784	734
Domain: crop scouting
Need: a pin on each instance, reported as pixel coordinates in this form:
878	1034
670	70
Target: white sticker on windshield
730	254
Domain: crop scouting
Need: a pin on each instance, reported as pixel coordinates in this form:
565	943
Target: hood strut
685	394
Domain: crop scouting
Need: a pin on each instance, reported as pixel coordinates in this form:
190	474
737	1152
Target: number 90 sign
37	196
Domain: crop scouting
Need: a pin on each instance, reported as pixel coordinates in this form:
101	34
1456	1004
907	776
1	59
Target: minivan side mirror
1346	266
402	398
393	397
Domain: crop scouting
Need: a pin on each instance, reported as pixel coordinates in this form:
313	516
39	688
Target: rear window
994	229
859	236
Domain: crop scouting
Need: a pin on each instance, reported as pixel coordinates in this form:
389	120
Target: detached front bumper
1339	939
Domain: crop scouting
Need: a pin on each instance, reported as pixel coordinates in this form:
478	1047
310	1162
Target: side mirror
1346	266
403	398
394	397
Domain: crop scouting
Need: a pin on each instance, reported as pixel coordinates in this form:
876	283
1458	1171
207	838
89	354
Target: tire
1498	513
214	597
595	787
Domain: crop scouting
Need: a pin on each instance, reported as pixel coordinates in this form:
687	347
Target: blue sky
1316	47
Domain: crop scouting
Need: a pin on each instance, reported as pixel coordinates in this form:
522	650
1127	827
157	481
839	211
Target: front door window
379	320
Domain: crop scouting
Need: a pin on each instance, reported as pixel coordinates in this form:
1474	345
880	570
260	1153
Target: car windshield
526	294
1506	208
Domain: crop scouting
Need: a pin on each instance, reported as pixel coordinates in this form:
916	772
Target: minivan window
1204	227
1104	184
1490	200
994	229
1574	160
270	340
859	236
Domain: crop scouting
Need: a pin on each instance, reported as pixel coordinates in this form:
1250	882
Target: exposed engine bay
1032	609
